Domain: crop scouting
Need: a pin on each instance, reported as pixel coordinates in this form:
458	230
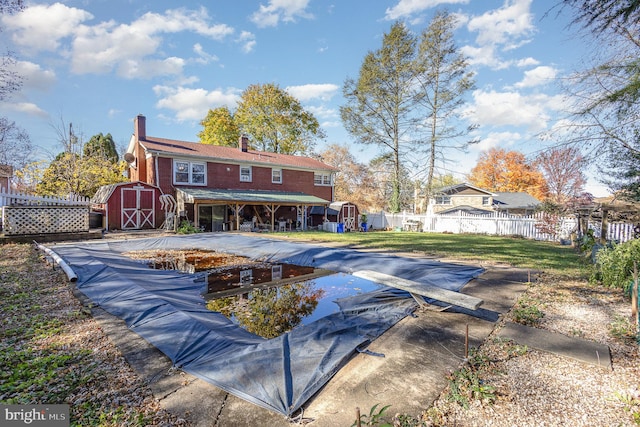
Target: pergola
237	200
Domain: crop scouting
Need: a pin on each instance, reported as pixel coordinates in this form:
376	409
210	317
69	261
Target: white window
443	200
322	179
245	173
276	176
486	200
185	172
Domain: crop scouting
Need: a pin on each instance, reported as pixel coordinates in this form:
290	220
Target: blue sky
99	63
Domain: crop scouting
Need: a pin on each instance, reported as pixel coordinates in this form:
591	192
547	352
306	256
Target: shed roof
105	191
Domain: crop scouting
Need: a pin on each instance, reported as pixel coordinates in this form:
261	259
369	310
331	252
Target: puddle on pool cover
263	298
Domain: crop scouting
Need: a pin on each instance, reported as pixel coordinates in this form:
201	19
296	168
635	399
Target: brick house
467	198
227	188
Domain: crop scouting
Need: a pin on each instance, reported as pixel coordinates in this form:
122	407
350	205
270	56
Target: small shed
348	214
128	206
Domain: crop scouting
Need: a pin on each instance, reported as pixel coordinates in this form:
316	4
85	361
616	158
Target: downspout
155	176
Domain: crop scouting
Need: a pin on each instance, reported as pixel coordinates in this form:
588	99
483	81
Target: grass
44	358
522	253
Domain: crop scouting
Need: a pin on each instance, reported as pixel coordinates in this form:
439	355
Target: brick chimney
140	127
244	143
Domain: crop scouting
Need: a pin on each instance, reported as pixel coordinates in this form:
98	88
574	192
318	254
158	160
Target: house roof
514	201
175	148
250	196
453	189
467	209
6	171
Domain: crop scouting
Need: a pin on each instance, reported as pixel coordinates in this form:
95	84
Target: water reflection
273	311
265	299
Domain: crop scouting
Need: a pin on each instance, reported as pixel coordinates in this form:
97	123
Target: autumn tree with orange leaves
508	171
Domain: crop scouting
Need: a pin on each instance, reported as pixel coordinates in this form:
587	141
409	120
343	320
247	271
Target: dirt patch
200	260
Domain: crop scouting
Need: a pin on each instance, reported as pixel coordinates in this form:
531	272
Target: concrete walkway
575	348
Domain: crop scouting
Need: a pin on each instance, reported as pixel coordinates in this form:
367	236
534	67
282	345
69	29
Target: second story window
322	179
276	176
245	173
185	172
443	200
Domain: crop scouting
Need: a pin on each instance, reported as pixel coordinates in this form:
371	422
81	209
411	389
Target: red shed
129	206
348	214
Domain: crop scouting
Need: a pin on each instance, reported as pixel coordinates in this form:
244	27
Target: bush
615	264
187	228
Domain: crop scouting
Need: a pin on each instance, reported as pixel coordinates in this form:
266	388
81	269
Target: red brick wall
227	176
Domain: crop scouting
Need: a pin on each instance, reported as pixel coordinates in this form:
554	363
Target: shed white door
138	208
349	216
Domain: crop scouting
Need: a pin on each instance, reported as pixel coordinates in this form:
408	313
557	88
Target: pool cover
168	310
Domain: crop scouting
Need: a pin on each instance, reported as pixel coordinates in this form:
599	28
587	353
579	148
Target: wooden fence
537	227
24	214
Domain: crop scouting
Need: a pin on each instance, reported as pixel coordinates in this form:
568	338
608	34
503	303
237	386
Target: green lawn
522	253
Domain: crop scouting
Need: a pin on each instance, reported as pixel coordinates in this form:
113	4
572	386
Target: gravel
535	388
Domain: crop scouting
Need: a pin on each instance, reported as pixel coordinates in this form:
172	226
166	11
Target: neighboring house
477	201
6	173
225	188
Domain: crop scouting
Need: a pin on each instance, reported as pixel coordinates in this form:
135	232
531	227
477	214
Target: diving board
416	288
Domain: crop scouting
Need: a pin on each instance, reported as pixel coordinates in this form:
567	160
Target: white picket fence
13	198
530	227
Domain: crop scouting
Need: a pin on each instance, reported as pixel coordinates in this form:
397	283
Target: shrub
615	264
186	227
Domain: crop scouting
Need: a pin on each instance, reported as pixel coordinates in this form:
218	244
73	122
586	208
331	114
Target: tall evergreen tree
381	103
444	79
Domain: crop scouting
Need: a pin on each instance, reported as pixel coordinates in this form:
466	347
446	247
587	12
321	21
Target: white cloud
493	108
203	57
34	77
527	62
502	29
248	41
28	108
280	10
307	92
537	77
323	112
133	50
41	27
193	104
497	139
405	8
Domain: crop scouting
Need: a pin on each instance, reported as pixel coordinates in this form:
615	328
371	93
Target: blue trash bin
341	227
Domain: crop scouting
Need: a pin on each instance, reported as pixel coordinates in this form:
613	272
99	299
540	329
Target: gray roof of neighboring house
467	209
452	189
514	201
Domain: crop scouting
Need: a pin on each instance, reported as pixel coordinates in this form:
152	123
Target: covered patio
243	210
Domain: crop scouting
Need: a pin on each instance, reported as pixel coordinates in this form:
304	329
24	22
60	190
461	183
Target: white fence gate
537	227
26	214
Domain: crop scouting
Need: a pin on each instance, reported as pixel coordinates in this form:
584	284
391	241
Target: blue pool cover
168	310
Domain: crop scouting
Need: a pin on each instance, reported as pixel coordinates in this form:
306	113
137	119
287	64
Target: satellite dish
129	157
